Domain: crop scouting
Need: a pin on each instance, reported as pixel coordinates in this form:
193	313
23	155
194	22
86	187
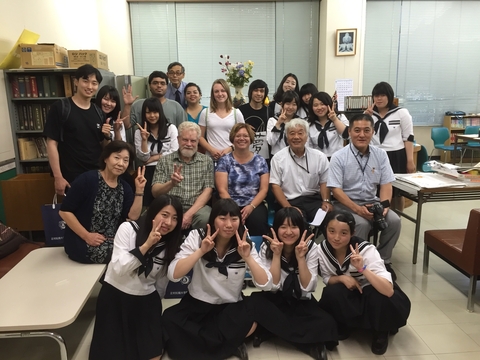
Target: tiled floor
439	327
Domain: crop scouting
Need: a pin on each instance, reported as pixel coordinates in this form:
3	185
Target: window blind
428	51
278	37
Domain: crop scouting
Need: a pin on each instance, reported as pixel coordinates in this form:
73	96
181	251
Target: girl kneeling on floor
128	317
289	310
359	292
211	321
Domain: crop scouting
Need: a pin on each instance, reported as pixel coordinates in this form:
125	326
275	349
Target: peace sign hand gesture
143	132
140	180
275	245
154	236
208	243
302	248
177	176
331	113
117	125
356	259
369	110
243	246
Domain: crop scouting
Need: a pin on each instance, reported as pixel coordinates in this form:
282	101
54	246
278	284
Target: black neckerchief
381	122
281	131
322	136
150	258
232	256
154	142
329	252
291	285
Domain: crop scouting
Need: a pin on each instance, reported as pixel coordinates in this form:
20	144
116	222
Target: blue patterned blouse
243	179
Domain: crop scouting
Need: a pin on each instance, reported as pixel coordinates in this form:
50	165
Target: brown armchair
460	248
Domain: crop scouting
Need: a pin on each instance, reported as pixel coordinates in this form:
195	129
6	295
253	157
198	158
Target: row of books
357	102
32	116
30	169
32	148
42	86
460	122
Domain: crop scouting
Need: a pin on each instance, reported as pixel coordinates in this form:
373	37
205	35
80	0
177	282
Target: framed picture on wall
346	42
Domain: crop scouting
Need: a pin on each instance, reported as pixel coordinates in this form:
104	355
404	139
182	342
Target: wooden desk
43	292
468	137
423	195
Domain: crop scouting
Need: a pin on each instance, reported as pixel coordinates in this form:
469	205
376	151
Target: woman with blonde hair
217	121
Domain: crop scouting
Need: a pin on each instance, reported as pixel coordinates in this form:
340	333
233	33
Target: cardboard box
23	197
43	56
95	58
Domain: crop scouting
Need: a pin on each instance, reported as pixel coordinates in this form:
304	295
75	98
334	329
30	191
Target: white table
43	292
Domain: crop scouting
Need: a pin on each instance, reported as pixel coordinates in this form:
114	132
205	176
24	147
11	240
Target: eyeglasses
177	73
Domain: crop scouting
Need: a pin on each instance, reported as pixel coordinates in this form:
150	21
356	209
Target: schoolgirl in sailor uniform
276	136
289	310
393	129
128	321
155	139
327	130
212	320
359	292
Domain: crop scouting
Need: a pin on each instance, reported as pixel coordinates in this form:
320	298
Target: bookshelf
456	125
30	93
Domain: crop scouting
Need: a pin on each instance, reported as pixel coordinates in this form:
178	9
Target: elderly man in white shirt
299	174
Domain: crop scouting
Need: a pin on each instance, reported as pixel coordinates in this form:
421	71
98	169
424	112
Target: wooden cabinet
456	125
23	197
30	93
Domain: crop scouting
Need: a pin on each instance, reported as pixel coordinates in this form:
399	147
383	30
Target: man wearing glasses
158	83
176	88
299	174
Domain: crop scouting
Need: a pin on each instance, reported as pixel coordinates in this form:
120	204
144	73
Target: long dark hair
325	98
307	88
153	104
112	94
174	238
220	208
279	93
294	217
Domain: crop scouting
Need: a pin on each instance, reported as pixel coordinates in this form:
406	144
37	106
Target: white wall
75	24
340	14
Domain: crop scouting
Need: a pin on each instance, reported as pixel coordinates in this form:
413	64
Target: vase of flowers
237	76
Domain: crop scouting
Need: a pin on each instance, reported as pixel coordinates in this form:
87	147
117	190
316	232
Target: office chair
471	145
439	135
422	157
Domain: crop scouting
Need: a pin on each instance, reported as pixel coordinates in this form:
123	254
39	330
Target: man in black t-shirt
74	144
257	114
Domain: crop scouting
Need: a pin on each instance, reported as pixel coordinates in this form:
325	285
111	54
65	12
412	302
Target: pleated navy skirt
126	326
196	330
296	321
367	310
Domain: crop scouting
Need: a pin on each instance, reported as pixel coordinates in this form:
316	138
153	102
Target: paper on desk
319	216
429	180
